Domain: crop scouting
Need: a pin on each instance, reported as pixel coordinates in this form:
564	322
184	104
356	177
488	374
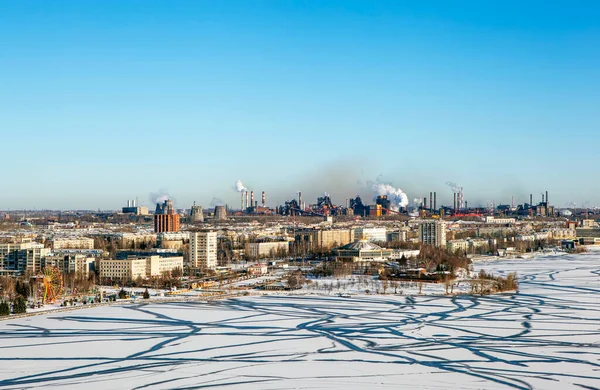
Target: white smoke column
396	196
455	187
417	202
239	186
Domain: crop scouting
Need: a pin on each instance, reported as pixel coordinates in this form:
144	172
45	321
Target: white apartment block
433	233
500	221
144	267
73	243
203	250
374	234
264	249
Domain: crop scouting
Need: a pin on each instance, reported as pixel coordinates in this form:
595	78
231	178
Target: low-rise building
362	251
257	269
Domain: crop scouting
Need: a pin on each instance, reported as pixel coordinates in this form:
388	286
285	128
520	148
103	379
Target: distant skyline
104	101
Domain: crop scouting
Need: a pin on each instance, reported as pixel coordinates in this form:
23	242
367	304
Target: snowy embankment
545	336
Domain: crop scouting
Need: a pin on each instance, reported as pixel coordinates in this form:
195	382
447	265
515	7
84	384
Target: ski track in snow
545	336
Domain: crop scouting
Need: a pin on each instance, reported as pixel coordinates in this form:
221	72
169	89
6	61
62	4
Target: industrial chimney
251	198
242	204
546	196
425	203
435	201
264	199
455	202
300	199
247	199
530	199
430	201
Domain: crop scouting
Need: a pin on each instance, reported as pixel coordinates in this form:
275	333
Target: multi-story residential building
132	268
124	270
457	245
79	264
203	250
23	256
373	234
73	243
400	235
500	221
263	249
433	233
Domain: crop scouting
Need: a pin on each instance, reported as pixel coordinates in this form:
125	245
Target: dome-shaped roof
361	245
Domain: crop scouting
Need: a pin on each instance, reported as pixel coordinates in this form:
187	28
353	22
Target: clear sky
102	101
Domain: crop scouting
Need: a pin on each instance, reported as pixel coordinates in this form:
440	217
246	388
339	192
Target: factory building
203	250
133	208
196	214
165	218
433	233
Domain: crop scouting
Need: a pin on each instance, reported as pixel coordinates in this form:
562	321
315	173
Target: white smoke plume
395	195
455	187
417	202
239	186
160	196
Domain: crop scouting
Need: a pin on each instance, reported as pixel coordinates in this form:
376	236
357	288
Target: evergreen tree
4	308
146	294
19	305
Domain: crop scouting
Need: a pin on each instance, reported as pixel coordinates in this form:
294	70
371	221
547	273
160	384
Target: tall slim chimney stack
425	203
264	199
530	199
435	200
251	198
430	201
247	199
242	203
546	196
300	199
455	202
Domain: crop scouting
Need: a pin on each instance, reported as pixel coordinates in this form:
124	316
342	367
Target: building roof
364	245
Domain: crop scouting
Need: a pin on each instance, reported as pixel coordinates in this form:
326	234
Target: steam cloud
395	195
160	196
455	187
239	186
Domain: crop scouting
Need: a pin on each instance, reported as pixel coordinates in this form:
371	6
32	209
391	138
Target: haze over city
109	100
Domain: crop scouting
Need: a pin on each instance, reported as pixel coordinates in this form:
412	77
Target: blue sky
102	101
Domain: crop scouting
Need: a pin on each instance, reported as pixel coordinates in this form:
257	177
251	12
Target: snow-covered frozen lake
547	336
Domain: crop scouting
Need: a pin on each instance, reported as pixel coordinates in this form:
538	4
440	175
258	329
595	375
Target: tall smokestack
264	199
542	198
430	201
247	199
242	204
546	196
300	199
531	199
251	198
128	203
435	201
455	202
425	203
